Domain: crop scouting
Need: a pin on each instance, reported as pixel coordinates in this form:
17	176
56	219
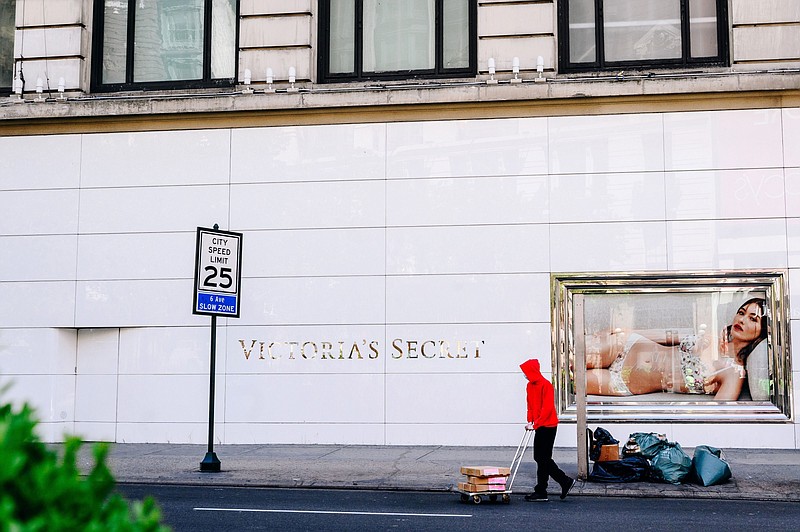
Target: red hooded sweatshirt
541	400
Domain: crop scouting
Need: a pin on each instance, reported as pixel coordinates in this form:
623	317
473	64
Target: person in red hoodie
543	419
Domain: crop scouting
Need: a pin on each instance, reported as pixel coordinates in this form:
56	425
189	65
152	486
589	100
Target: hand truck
476	497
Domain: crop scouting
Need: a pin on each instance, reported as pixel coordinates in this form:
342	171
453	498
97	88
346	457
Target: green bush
40	493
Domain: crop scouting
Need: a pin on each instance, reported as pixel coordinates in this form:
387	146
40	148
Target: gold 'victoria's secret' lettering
360	350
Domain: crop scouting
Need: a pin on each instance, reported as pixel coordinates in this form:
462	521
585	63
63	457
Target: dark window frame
323	67
684	62
5	90
207	81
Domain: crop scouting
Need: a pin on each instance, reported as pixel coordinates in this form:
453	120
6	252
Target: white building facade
407	207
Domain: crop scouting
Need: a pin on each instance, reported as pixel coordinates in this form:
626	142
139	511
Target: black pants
546	468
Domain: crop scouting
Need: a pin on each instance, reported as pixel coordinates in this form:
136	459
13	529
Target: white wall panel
794	297
314	252
305	434
98	352
135	303
170	350
155	158
51	396
305	399
455	398
466	201
428	246
791	136
468	298
763	436
610	143
173	431
38	258
45	351
792	181
513	146
793	242
794	331
168	398
308	153
607	197
96	398
313	300
608	247
23	209
94	431
164	255
463	434
727	244
719	194
475	249
716	140
38	162
308	205
37	304
152	209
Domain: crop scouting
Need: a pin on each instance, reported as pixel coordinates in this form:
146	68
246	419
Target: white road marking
391	514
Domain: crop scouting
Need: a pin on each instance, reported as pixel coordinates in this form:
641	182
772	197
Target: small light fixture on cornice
39	90
62	84
17	96
539	69
247	79
490	64
292	79
515	70
270	81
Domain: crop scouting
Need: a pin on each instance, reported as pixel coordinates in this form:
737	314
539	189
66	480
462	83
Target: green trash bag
671	464
709	466
649	443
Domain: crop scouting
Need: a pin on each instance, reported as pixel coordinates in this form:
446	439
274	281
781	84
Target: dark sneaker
566	488
536	497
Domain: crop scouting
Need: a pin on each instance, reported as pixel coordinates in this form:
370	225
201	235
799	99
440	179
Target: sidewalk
772	475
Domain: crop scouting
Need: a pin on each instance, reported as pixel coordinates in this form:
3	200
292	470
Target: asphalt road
197	508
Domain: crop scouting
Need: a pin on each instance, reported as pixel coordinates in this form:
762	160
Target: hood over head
532	370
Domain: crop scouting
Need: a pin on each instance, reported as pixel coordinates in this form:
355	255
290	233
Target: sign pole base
210	463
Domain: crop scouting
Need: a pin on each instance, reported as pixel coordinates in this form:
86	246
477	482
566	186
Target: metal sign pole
217	282
210	461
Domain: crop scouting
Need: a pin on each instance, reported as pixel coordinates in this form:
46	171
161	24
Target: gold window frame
575	294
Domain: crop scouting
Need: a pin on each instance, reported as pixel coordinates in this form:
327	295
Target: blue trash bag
709	466
671	464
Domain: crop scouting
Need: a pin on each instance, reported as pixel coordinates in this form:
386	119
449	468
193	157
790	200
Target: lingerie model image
622	363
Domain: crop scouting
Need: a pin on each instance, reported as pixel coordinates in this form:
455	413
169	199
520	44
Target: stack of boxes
484	478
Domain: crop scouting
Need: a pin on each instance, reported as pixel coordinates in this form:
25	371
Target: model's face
746	325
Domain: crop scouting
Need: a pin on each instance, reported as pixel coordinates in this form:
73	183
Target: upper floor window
8	11
164	44
616	34
386	39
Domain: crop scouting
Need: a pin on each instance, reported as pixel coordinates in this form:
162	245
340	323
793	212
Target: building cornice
330	104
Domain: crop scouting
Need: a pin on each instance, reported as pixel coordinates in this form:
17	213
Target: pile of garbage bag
651	457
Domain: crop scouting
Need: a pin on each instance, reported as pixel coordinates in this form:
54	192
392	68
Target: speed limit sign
217	272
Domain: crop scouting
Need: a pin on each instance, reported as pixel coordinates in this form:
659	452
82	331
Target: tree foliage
41	492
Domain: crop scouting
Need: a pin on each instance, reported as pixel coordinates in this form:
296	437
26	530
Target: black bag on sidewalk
599	438
630	469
